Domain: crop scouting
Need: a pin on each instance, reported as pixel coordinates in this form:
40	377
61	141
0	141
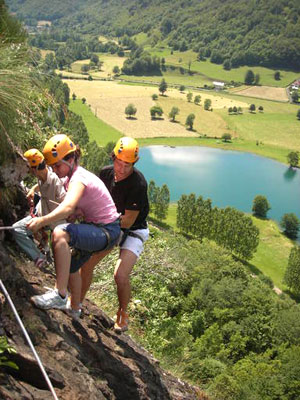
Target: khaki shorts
135	244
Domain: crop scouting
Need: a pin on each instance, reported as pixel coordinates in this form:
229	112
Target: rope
28	340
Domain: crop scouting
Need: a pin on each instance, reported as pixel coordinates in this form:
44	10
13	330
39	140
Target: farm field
216	72
109	61
173	78
108	101
264	92
97	129
206	72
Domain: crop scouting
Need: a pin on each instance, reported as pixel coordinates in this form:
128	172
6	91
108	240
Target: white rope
28	340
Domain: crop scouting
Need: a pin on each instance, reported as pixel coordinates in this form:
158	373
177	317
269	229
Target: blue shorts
89	238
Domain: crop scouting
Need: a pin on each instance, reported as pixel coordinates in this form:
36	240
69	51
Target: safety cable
28	340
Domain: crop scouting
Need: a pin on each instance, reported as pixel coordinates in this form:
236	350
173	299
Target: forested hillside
239	32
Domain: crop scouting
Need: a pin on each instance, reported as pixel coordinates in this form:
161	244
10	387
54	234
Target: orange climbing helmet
34	157
57	148
127	149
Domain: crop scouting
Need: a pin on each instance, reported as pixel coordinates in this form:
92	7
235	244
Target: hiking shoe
50	299
40	262
121	324
75	314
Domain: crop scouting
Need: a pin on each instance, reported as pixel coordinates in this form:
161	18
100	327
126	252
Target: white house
219	85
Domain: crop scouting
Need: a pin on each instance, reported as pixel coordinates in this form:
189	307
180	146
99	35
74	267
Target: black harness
128	232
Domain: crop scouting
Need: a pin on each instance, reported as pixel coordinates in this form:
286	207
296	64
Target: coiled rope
28	340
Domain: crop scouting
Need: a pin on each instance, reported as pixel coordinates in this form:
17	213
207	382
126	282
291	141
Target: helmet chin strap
71	166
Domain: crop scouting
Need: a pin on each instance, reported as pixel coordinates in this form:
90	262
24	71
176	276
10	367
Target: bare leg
87	269
122	272
62	259
75	288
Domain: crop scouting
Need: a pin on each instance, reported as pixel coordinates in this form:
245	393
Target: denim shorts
89	238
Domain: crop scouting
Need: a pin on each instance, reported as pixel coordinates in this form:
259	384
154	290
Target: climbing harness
128	232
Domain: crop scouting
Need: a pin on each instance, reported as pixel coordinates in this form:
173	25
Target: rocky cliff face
84	359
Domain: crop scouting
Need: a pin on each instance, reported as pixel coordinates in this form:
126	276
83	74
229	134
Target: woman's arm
66	208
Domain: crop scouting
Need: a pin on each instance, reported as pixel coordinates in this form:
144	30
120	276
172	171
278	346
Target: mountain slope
255	32
83	359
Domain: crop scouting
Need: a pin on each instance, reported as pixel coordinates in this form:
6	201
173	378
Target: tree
95	59
173	113
298	114
227	65
130	110
226	137
159	199
190	120
73	96
252	108
234	109
189	96
197	99
83	100
260	206
293	158
85	68
277	75
295	96
116	70
154	96
162	202
182	88
249	77
152	194
163	86
230	110
292	272
207	104
260	109
156	110
290	224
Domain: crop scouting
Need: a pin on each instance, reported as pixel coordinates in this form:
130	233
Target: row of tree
228	227
159	200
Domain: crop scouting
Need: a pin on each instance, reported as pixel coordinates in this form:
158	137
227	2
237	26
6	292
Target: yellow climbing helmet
57	148
34	157
127	149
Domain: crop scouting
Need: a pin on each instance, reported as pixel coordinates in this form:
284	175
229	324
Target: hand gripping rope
28	340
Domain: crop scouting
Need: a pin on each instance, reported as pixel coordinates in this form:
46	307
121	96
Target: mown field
272	133
106	70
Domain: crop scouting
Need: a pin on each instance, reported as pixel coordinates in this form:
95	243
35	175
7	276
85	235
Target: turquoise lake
228	178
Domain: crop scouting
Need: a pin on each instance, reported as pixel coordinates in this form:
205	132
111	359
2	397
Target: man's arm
129	218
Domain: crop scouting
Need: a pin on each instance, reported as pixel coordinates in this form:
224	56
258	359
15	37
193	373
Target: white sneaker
50	299
75	314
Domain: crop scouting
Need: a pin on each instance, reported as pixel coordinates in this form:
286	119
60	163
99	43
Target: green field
216	72
173	78
272	254
98	130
